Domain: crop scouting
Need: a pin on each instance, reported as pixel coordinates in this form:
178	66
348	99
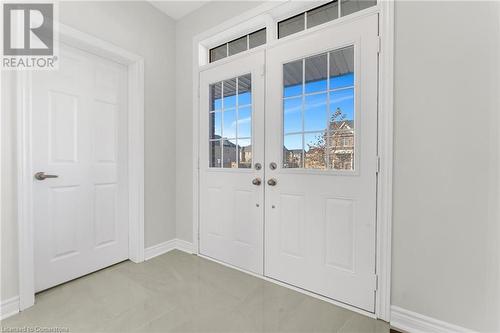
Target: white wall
445	253
141	29
446	232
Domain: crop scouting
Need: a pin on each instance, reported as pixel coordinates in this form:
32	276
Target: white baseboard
185	246
412	322
9	307
162	248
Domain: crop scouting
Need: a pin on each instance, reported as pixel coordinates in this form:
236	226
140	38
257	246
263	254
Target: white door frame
135	146
266	15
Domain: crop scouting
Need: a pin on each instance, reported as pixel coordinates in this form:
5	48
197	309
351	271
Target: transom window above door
319	111
230	123
321	14
238	45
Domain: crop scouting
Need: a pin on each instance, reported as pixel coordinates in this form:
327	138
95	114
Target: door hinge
375	287
379	44
377	165
263	70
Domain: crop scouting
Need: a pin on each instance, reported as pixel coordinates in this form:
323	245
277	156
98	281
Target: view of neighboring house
328	151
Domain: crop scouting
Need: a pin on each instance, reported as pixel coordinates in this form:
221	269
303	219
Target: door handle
42	176
272	182
257	181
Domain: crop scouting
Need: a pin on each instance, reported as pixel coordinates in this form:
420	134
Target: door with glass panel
231	155
321	153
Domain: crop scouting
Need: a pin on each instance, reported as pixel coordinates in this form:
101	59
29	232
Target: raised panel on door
63	122
105	214
321	131
231	113
66	221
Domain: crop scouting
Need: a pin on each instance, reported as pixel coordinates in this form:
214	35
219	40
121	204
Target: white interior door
231	143
321	131
79	130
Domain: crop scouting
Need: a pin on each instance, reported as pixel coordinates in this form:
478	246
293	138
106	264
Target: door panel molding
135	147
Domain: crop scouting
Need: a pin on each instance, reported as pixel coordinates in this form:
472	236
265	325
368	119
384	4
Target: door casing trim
262	15
135	146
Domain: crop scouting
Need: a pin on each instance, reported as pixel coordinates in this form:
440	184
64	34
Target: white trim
9	307
159	249
165	247
270	13
185	246
135	66
413	322
297	289
385	153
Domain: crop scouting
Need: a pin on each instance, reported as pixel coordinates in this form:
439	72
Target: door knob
272	182
257	181
42	176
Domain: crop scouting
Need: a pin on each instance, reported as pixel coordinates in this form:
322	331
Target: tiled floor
178	292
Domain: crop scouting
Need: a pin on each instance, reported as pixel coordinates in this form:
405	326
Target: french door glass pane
229	90
216	96
244	90
342	68
292	151
244	153
245	121
292	115
229	154
229	124
315	112
214	154
292	78
215	123
319	112
315	151
316	73
230	119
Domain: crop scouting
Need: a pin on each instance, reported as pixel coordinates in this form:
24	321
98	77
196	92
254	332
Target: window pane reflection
315	112
230	119
215	123
244	153
319	114
229	154
315	151
292	151
292	115
214	154
316	73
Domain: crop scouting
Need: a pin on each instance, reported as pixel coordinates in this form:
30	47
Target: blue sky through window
317	112
316	109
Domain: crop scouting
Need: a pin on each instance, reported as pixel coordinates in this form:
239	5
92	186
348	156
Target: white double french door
290	192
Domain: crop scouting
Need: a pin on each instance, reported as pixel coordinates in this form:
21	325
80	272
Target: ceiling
178	9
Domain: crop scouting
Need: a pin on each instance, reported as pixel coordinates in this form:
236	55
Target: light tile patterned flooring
178	292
